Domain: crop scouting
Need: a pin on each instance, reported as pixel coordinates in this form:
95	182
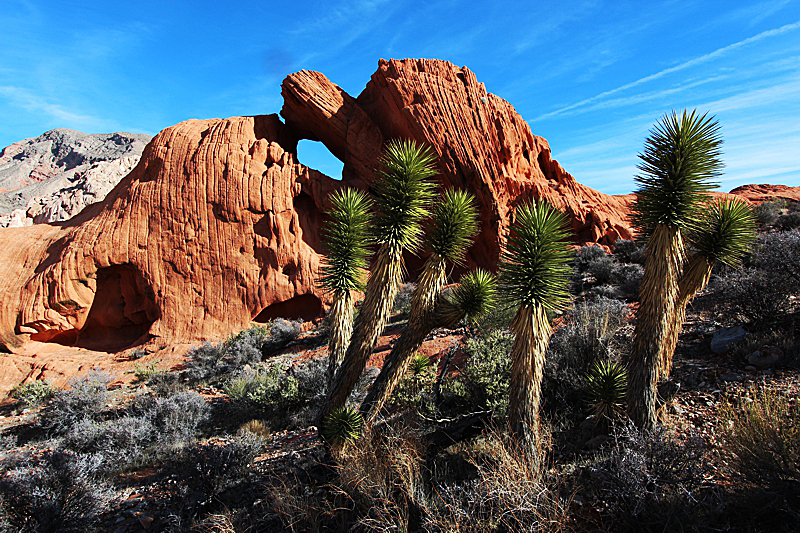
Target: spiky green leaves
476	294
343	424
606	384
403	193
725	232
680	156
346	236
535	264
455	222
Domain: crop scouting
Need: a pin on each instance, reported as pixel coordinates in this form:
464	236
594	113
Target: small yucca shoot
419	364
342	425
606	383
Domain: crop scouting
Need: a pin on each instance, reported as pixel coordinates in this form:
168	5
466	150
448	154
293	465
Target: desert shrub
415	390
268	390
482	384
587	255
256	427
762	434
402	301
650	482
281	333
55	491
629	251
628	278
311	388
86	398
588	334
767	286
175	418
116	445
145	372
32	394
248	347
767	213
214	467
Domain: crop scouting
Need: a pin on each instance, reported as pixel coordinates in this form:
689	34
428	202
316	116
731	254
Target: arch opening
316	155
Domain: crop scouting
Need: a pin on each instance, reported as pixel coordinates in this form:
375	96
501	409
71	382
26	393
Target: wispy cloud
683	66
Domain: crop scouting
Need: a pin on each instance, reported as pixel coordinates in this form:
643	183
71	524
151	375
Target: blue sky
590	76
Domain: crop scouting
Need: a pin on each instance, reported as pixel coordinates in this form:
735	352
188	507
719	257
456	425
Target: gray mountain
53	176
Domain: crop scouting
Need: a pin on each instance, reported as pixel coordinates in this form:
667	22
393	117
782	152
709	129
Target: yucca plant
419	364
534	277
454	224
346	238
680	156
472	298
606	384
725	232
342	425
403	191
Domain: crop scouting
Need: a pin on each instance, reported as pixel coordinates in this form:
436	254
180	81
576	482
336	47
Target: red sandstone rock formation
483	144
215	227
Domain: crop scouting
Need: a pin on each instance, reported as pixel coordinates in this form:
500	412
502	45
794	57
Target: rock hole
122	312
305	307
315	155
290	270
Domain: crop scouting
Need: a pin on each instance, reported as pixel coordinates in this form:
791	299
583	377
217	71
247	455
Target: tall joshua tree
346	237
473	297
680	156
725	231
534	277
403	191
453	226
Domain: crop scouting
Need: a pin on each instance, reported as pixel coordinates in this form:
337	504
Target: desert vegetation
548	403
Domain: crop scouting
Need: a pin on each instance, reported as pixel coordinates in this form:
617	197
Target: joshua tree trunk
657	304
694	279
341	328
374	313
532	332
421	322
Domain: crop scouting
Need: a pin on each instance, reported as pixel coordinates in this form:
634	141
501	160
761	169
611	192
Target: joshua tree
724	233
681	155
534	276
472	298
346	240
402	194
453	226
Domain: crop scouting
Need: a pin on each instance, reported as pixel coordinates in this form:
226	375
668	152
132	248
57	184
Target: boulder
723	339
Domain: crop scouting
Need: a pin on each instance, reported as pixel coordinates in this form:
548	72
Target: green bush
33	394
145	372
267	389
606	385
416	388
342	425
482	383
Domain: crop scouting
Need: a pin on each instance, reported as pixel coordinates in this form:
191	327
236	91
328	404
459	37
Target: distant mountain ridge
53	176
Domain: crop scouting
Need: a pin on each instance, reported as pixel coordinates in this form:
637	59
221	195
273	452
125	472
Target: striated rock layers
216	226
53	176
483	144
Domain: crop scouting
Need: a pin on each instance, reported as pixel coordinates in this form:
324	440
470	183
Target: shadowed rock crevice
303	307
122	312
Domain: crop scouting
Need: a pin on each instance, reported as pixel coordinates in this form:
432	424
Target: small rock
750	368
677	409
145	520
765	357
725	338
730	377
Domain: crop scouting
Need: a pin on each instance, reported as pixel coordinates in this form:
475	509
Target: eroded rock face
483	144
216	224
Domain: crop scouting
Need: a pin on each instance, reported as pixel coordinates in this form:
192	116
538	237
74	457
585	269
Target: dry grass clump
762	434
